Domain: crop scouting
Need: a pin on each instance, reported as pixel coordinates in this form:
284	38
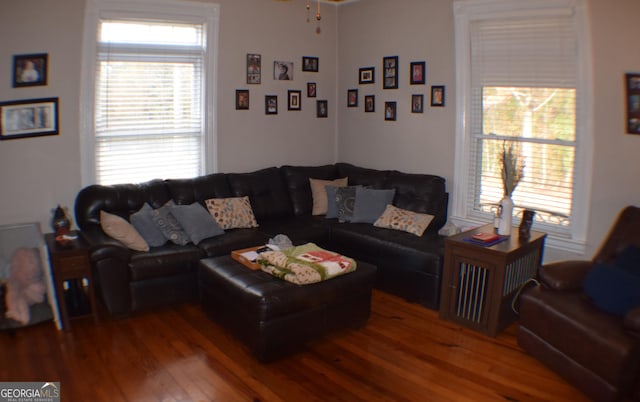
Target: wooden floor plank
404	353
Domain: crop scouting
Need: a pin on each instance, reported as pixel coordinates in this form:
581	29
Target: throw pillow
612	288
118	228
196	222
319	193
232	213
332	207
629	259
370	204
143	222
402	219
169	225
345	201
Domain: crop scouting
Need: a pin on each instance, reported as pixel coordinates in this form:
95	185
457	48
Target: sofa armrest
564	275
632	322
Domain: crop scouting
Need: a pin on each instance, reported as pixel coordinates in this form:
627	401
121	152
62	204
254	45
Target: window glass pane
150	33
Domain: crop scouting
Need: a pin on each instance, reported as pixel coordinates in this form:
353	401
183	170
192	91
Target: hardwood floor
404	353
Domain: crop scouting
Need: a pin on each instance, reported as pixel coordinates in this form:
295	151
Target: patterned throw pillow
232	213
169	225
144	224
118	228
401	219
319	193
345	201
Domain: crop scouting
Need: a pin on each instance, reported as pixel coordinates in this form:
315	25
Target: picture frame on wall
366	75
28	118
311	90
369	103
390	111
352	98
322	108
417	103
417	72
437	95
633	102
30	70
254	68
390	72
271	104
294	100
310	64
283	70
242	99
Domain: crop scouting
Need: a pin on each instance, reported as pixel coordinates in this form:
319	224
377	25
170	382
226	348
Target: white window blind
523	92
149	102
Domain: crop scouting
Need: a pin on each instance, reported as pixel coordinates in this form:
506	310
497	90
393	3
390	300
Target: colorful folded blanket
305	264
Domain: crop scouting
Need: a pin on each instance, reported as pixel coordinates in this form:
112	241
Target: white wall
38	173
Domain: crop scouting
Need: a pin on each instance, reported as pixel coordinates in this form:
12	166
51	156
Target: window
522	81
147	85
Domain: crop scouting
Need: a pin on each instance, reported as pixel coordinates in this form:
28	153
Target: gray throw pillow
144	224
345	200
332	207
196	221
169	225
370	204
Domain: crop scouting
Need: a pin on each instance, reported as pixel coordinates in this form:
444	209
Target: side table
71	270
480	282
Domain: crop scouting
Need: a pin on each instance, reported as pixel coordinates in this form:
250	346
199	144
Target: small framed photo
437	95
28	118
294	98
271	104
633	103
322	108
366	75
417	72
30	70
352	98
242	99
310	64
390	69
283	70
311	90
370	103
417	103
254	68
390	111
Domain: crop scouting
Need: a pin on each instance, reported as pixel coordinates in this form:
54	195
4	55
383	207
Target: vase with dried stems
512	166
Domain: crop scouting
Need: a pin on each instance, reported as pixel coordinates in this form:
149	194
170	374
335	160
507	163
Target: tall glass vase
506	216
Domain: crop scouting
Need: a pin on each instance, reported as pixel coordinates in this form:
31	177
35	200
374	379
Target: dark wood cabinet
481	281
71	270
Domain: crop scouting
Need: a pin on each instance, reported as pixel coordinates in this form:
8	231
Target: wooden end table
480	282
71	270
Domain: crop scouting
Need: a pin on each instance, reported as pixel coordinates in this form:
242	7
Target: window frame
151	10
468	11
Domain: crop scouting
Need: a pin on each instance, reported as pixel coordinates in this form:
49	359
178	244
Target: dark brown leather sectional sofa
281	199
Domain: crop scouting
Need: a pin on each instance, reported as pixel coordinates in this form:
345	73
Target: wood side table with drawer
480	282
71	270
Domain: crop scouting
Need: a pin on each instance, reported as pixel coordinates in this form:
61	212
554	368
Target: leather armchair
597	352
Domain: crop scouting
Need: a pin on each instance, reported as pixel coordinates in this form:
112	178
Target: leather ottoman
274	317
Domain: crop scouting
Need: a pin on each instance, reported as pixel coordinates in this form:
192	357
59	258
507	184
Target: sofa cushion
196	222
370	204
118	228
296	179
613	288
232	213
169	225
401	219
199	189
233	239
300	229
266	191
345	201
319	193
371	178
144	224
168	260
